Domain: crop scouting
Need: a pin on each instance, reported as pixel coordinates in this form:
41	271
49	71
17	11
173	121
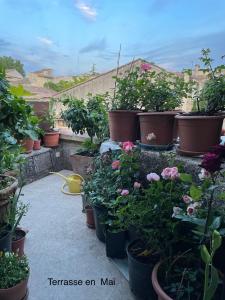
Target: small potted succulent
14	273
201	129
123	120
162	94
86	117
51	135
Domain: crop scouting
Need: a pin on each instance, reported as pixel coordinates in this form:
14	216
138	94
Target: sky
70	36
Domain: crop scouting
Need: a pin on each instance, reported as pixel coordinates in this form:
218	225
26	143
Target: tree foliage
7	62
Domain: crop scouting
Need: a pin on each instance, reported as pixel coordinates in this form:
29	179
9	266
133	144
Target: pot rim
52	133
161	113
159	291
15	286
22	238
204	117
13	185
131	256
124	111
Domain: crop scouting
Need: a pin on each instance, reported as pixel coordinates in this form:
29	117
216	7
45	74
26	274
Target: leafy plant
50	114
7	62
13	269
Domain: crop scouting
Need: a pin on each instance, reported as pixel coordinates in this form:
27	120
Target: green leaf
186	177
195	192
216	240
205	254
210	291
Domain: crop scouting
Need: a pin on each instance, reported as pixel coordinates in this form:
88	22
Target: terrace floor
60	246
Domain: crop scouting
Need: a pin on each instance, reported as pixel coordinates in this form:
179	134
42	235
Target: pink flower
170	173
145	67
124	193
204	174
191	209
176	211
115	165
127	146
137	185
187	199
153	177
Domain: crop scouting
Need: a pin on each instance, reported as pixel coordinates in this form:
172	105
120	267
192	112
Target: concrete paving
60	246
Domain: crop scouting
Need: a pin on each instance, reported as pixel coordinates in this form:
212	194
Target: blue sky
72	35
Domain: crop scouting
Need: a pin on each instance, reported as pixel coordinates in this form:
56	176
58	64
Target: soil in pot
197	134
6	238
17	292
115	244
37	145
90	217
140	269
18	240
81	164
99	214
123	125
51	139
27	144
157	128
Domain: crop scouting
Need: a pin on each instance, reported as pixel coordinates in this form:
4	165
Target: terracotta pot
51	139
157	127
123	125
17	292
159	291
81	163
90	217
18	241
198	133
37	145
27	144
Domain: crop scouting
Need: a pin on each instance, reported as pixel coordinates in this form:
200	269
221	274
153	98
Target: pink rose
187	199
115	165
137	185
145	67
127	146
191	209
170	173
153	177
166	173
124	193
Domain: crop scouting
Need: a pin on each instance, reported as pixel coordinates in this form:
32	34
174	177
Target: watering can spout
59	174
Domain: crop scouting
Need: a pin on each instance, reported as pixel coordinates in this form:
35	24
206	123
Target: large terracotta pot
27	144
159	291
157	127
17	292
18	241
198	134
37	145
81	164
51	139
123	125
90	217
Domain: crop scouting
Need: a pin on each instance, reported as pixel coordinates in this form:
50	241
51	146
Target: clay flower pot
157	128
90	217
17	292
123	125
18	241
37	145
51	139
198	134
159	291
27	144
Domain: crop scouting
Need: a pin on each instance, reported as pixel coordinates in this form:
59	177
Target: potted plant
193	274
40	133
51	135
29	133
123	120
86	117
201	129
90	217
14	273
161	94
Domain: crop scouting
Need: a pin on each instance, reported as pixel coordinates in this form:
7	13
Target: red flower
211	162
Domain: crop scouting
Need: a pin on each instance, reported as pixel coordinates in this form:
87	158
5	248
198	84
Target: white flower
176	211
203	174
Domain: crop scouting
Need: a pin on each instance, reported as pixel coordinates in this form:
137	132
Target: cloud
45	41
97	45
87	10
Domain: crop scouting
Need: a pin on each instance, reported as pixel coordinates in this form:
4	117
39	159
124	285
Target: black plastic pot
115	244
99	214
6	239
140	276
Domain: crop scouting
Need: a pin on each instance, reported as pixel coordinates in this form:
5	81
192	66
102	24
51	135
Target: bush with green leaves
87	116
13	269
